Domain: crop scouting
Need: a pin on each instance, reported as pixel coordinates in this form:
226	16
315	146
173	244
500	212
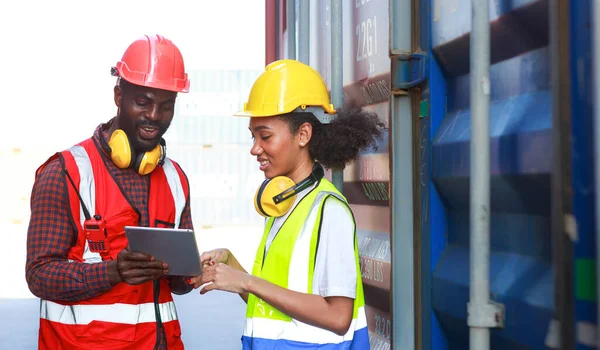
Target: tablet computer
176	247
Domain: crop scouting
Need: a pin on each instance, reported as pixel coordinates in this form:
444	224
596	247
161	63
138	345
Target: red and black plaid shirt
51	235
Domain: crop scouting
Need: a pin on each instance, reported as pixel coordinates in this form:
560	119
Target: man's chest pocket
163	224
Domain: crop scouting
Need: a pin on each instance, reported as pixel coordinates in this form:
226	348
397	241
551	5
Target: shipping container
213	147
204	115
366	79
223	181
410	62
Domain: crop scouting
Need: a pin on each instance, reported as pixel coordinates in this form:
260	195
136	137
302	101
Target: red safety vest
123	317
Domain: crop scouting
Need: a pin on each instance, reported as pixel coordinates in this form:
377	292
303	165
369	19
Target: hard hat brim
257	114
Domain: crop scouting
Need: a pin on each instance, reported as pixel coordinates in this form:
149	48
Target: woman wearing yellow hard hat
305	289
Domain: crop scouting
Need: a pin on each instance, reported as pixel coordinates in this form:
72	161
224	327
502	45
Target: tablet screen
176	247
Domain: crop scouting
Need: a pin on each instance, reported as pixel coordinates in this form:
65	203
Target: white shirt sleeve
335	265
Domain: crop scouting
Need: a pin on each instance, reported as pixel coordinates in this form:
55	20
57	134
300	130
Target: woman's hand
215	256
222	277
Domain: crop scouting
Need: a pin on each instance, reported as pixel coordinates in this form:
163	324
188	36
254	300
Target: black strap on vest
86	212
160	329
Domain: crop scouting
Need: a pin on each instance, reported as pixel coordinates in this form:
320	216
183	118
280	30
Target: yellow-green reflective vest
289	263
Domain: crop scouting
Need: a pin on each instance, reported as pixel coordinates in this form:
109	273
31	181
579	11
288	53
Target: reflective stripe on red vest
123	317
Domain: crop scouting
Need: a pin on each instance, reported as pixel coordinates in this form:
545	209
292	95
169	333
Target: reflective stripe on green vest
289	263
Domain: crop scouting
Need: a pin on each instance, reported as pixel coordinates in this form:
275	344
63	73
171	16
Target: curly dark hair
337	144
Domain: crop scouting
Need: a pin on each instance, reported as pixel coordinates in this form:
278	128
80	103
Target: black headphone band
316	174
104	143
259	196
163	155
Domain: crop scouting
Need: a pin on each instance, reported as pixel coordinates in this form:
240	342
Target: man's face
145	114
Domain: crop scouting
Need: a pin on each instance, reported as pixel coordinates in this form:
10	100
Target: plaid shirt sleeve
50	236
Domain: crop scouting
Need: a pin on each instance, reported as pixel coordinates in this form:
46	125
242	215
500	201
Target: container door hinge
408	70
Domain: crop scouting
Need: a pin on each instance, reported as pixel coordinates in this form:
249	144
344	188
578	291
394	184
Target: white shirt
335	265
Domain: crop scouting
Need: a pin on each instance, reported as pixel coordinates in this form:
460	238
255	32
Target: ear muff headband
316	175
274	197
124	156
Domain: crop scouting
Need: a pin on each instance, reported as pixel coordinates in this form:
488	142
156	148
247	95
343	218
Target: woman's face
277	150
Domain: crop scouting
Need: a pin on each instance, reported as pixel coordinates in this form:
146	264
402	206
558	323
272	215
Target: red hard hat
153	61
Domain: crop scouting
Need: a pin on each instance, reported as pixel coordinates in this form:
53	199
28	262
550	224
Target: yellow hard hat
287	86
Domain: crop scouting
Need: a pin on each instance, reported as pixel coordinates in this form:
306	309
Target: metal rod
336	53
291	28
337	87
278	50
596	104
303	32
561	184
402	238
480	170
270	31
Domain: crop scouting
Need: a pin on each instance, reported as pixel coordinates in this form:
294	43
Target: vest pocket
105	333
163	224
173	335
109	323
115	226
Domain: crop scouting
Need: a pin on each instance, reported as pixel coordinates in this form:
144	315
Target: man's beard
143	145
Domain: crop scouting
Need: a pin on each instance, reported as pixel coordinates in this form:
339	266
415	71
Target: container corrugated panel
205	114
521	274
223	181
213	147
366	79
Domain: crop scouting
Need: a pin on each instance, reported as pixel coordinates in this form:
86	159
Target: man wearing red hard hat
96	293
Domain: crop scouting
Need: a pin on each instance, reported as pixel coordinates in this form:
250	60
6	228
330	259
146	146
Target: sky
56	56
